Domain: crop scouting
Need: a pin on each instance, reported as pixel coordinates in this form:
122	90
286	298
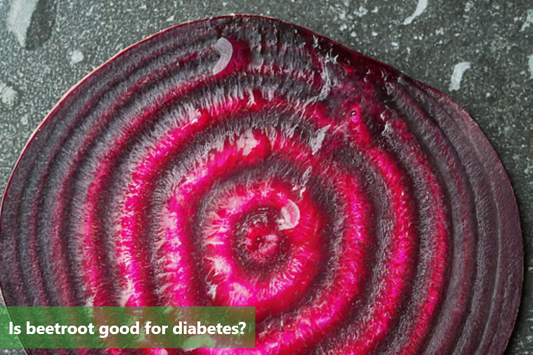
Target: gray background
48	46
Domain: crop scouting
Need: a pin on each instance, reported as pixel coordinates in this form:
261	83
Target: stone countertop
478	52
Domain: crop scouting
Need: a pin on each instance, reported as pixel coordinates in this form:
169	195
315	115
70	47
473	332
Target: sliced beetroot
243	161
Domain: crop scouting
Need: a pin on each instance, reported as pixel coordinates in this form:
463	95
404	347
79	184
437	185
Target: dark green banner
127	327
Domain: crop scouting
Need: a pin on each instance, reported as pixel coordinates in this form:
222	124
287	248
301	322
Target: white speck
353	34
457	75
327	80
374	33
422	4
290	216
376	9
361	11
76	56
531	65
225	49
316	142
342	15
8	95
529	20
170	19
142	7
247	142
19	18
469	5
330	58
24	120
395	45
212	292
89	302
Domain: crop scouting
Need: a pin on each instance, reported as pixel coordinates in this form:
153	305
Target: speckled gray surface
47	46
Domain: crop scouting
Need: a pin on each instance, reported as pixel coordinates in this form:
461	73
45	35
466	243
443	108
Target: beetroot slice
244	161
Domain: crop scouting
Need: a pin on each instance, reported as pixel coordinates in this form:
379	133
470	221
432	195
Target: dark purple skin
244	161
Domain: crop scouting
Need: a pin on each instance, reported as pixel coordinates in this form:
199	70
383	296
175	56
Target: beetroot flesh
244	161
